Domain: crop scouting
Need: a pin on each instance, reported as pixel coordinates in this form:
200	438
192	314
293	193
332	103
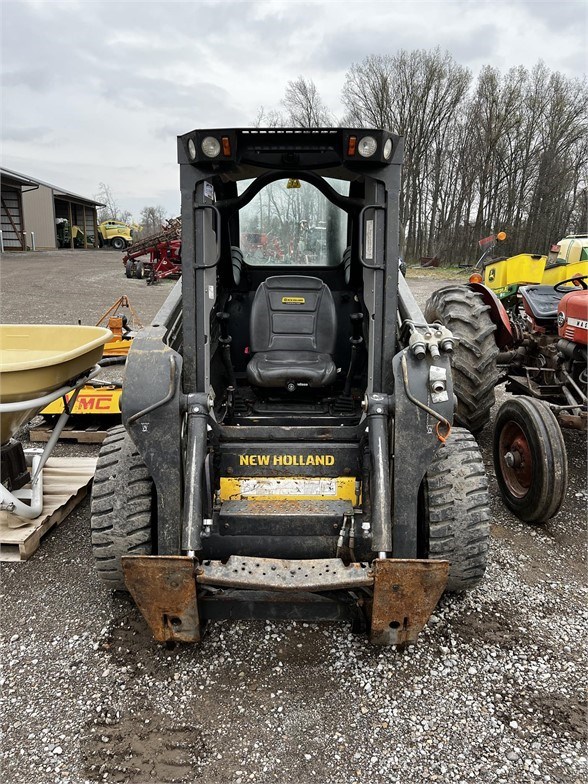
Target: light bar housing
288	148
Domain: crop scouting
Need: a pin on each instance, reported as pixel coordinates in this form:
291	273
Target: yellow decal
286	460
342	488
91	400
293	300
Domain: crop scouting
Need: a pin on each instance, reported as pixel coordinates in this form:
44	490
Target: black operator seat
292	331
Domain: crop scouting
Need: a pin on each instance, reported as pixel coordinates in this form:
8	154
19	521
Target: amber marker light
226	143
501	236
352	145
475	277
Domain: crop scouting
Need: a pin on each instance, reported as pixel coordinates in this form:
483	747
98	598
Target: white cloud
97	91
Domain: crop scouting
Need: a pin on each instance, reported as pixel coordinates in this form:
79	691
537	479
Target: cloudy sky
97	91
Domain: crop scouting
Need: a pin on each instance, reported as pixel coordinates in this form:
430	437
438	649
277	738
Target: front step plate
283	517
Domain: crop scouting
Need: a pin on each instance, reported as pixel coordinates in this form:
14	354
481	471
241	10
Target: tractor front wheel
530	459
454	511
118	243
475	372
122	511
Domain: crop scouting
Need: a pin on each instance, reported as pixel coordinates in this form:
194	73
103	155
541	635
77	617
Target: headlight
367	146
210	147
192	149
388	149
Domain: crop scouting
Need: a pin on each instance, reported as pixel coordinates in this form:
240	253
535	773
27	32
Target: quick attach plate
164	589
405	594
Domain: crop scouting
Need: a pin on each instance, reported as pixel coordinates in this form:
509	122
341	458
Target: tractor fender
504	337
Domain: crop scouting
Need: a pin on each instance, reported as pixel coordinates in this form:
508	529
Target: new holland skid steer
287	448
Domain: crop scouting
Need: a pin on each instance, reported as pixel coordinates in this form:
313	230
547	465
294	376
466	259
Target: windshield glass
292	222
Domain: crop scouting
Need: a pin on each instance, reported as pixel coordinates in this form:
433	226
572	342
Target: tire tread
475	372
121	509
458	530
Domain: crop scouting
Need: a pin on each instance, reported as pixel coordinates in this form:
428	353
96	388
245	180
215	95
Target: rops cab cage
287	449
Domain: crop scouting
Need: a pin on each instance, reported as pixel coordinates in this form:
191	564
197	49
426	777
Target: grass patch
439	273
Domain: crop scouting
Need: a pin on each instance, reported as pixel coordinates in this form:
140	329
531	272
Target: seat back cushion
293	313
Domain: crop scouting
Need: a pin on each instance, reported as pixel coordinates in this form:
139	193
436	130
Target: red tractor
539	347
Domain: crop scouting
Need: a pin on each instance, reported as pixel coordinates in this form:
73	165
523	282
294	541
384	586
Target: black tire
475	372
530	459
122	507
130	269
118	243
140	270
455	511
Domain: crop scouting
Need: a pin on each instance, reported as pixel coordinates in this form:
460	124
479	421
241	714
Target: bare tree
508	152
416	94
152	219
304	106
269	119
110	210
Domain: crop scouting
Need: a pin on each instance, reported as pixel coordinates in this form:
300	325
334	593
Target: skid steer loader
287	448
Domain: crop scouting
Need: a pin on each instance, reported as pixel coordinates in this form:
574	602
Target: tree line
507	151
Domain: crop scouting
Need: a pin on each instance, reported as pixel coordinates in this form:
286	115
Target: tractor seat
292	332
542	301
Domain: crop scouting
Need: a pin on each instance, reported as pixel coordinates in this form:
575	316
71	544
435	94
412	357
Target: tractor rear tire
129	269
455	511
122	510
530	459
475	372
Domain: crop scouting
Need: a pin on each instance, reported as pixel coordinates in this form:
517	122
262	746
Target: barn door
12	224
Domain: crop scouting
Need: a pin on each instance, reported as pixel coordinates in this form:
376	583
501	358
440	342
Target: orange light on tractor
352	145
225	141
475	277
501	236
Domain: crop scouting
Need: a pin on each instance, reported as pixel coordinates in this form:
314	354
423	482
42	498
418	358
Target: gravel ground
493	692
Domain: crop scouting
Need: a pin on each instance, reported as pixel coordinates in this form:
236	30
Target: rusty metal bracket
324	574
405	594
164	589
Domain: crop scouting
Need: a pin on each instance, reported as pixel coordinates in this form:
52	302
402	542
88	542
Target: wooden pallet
91	434
66	481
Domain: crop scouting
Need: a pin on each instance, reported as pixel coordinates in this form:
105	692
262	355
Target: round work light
367	146
210	147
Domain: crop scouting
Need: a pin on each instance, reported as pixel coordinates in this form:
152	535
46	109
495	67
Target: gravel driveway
493	692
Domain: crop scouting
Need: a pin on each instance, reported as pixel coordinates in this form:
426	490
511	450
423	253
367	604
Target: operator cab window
291	222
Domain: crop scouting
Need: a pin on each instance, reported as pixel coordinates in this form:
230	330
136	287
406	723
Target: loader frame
168	408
